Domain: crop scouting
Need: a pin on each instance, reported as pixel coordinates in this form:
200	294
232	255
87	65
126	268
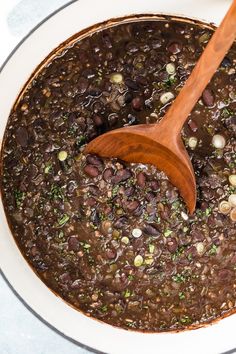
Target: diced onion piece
192	142
138	260
136	233
232	180
116	78
62	155
184	215
166	97
200	248
232	200
233	214
224	207
125	240
170	68
218	141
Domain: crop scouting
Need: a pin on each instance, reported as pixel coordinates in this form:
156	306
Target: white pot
216	338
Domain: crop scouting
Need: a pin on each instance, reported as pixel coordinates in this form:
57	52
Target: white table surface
21	332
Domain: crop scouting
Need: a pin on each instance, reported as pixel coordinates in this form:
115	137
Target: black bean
73	243
94	91
208	97
225	275
91	201
129	191
121	222
128	97
151	229
112	119
137	103
32	171
108	174
91	171
175	48
98	120
131	84
121	176
111	254
141	179
131	205
94	160
172	245
22	136
193	125
82	85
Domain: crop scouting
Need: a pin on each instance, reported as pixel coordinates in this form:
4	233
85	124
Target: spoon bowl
142	143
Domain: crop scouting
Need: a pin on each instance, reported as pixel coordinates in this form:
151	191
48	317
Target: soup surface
114	239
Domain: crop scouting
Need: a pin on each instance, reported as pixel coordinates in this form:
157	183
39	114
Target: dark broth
114	239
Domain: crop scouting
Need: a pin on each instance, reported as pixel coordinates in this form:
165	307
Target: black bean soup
114	239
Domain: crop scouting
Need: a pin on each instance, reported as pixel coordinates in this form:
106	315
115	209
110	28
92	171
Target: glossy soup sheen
114	239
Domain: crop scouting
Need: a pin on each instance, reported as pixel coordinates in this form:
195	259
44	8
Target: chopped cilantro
48	168
127	293
185	319
19	197
115	190
181	295
179	278
151	248
104	308
213	250
170	81
56	192
167	232
63	220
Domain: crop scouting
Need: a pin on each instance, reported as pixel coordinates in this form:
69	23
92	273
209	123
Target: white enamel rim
63	24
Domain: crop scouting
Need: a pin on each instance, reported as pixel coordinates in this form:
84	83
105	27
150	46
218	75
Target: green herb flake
127	293
56	192
181	295
213	250
208	211
104	309
63	220
179	278
48	168
167	233
151	248
19	197
185	319
170	82
115	190
130	277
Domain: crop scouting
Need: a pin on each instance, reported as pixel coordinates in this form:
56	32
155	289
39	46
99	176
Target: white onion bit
136	233
192	143
233	214
184	215
218	141
170	68
166	97
116	78
232	180
224	207
232	200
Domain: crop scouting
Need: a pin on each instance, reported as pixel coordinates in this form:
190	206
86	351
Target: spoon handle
205	68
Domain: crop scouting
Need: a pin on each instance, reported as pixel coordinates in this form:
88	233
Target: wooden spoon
161	144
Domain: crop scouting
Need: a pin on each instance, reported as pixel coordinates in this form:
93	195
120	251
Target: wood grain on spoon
161	144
